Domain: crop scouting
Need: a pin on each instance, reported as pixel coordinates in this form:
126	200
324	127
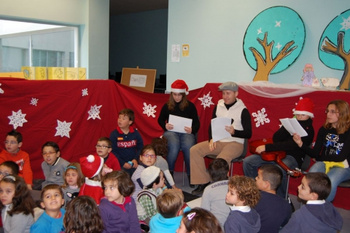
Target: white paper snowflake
206	100
34	101
345	24
63	128
17	119
94	112
149	110
1	90
260	117
84	92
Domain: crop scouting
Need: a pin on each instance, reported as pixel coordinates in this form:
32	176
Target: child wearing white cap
153	180
283	141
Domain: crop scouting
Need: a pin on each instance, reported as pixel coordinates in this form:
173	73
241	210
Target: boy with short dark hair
13	152
126	141
169	206
104	150
274	211
214	195
51	221
8	168
318	215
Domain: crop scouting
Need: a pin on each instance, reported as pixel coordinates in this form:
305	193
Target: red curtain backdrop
76	113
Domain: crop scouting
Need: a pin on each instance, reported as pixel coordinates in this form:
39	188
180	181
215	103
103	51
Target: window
32	44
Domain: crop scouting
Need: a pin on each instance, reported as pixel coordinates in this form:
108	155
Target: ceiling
118	7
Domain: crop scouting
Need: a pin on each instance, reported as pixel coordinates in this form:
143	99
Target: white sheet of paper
218	131
293	126
179	123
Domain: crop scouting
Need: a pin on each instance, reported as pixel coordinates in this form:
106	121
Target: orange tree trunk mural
265	66
329	47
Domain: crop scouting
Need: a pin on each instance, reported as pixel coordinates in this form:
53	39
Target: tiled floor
185	187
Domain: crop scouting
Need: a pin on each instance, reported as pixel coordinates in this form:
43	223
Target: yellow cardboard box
55	73
28	72
82	73
71	73
40	73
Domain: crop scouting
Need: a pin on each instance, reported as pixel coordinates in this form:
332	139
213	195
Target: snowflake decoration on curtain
260	117
1	90
63	128
17	119
84	92
94	112
34	101
149	110
206	100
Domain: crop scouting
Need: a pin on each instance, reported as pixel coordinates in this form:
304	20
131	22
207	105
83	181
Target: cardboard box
71	73
82	73
55	73
28	72
40	73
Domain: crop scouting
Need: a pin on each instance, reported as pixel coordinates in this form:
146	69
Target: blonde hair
343	123
170	202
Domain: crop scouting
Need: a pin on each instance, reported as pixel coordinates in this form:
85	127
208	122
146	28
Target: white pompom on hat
91	165
179	86
305	106
149	175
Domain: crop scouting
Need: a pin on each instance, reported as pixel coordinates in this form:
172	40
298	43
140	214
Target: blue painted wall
139	39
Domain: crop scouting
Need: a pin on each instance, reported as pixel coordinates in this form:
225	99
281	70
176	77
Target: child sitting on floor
318	215
73	180
170	209
152	179
51	221
91	166
118	208
243	194
199	220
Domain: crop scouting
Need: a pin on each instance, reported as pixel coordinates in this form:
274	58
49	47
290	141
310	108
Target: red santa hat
91	165
304	106
179	86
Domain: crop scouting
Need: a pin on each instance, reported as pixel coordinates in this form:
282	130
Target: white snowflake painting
260	117
84	92
17	119
206	100
34	101
63	128
149	110
94	112
1	90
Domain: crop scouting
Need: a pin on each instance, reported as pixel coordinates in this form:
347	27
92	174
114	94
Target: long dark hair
22	201
183	103
82	215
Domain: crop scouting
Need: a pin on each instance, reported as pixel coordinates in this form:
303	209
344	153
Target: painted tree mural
285	30
334	47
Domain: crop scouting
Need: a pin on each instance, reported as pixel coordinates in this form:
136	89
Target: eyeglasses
48	153
11	142
331	111
149	155
104	147
4	173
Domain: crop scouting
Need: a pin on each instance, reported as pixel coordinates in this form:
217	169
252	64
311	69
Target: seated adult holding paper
283	141
227	148
179	106
332	146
